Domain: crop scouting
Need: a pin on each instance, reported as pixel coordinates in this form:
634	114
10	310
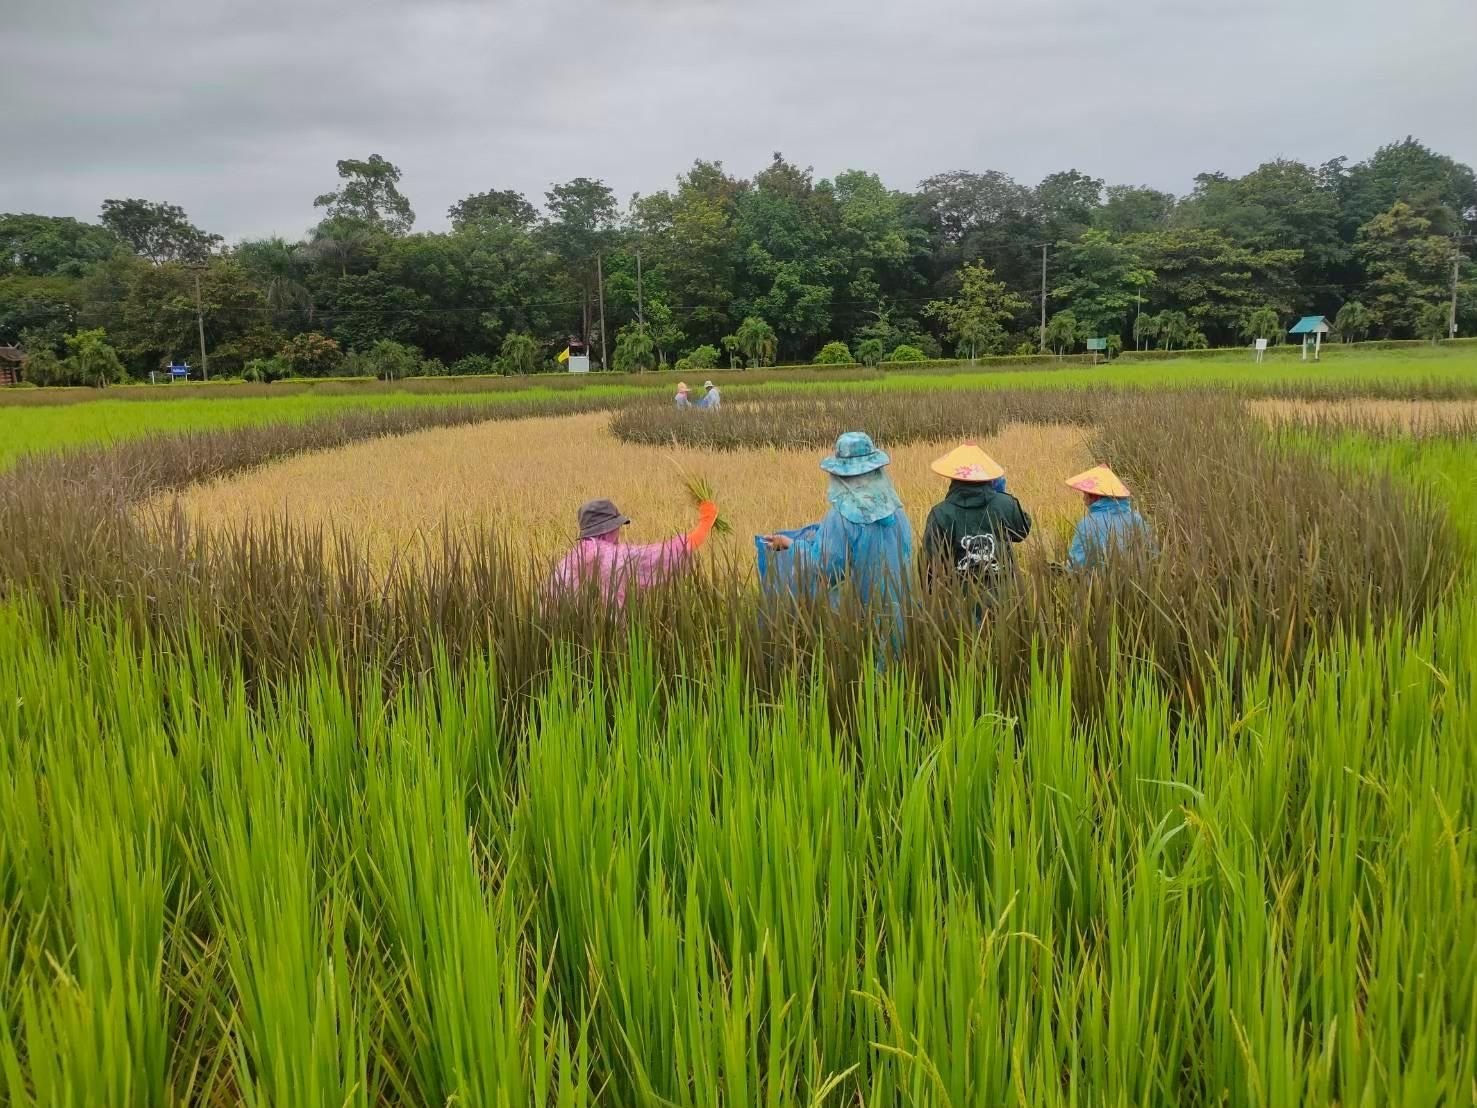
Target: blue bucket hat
855	454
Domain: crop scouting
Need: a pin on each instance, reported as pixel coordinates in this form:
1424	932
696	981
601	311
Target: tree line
721	269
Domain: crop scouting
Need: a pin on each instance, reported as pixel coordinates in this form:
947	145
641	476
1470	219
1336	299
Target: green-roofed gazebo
1312	328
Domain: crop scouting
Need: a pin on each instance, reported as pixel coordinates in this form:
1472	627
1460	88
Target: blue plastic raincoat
1109	522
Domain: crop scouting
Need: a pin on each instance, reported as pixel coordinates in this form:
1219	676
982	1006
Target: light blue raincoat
1109	522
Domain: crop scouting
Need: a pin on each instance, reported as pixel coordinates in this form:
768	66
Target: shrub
311	354
519	354
264	370
391	361
91	361
834	353
634	350
683	365
355	364
704	357
44	368
473	365
869	352
906	353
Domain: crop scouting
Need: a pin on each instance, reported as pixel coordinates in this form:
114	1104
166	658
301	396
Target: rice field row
276	830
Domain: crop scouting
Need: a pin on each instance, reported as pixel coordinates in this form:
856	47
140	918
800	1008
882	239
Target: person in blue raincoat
865	539
1110	522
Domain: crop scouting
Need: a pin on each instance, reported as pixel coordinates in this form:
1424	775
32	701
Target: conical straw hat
968	463
1100	481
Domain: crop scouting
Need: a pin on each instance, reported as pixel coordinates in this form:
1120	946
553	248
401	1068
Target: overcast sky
238	110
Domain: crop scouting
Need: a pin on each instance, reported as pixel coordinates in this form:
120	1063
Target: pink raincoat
614	567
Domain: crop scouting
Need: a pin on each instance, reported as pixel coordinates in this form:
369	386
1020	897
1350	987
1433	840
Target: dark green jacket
969	534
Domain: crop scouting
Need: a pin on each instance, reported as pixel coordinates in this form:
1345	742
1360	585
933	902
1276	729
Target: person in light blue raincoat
711	397
1110	522
865	539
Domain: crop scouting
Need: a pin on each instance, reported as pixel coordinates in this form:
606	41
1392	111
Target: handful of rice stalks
699	489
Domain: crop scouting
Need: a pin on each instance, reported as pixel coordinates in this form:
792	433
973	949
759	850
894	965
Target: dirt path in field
526	478
1408	415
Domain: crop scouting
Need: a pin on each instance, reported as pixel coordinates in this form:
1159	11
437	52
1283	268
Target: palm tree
1145	328
1061	331
1353	321
277	266
757	340
634	350
339	243
1173	328
1262	324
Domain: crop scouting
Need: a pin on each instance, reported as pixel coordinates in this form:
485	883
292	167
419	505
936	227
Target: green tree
369	196
1353	322
834	353
635	352
503	207
39	310
1103	280
1068	203
1432	185
1062	331
756	340
91	360
159	232
1408	266
661	325
977	317
731	348
392	361
1219	280
1432	322
869	352
1280	205
906	353
1133	209
1262	324
52	246
519	354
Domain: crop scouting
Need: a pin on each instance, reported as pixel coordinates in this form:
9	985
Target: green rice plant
666	882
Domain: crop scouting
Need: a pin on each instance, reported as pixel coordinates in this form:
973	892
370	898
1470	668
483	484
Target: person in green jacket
969	535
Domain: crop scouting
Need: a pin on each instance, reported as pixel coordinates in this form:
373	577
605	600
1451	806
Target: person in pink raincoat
601	559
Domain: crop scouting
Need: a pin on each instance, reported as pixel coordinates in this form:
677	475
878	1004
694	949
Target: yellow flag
564	354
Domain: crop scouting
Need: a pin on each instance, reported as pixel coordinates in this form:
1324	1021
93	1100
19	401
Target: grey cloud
238	111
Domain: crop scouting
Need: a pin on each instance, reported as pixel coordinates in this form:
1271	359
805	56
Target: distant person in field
600	560
1111	521
865	539
970	533
684	402
711	399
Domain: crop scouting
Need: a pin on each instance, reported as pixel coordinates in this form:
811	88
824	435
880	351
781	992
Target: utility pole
200	325
640	303
600	276
1043	297
1456	275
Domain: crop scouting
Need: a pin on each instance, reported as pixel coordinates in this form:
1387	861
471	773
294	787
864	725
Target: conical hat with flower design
968	463
1100	481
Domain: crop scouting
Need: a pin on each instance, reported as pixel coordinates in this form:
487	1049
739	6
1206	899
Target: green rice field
1189	830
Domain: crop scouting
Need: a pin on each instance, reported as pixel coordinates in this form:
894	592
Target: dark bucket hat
600	517
855	454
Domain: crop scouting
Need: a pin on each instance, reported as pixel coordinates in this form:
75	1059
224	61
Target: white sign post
1261	349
